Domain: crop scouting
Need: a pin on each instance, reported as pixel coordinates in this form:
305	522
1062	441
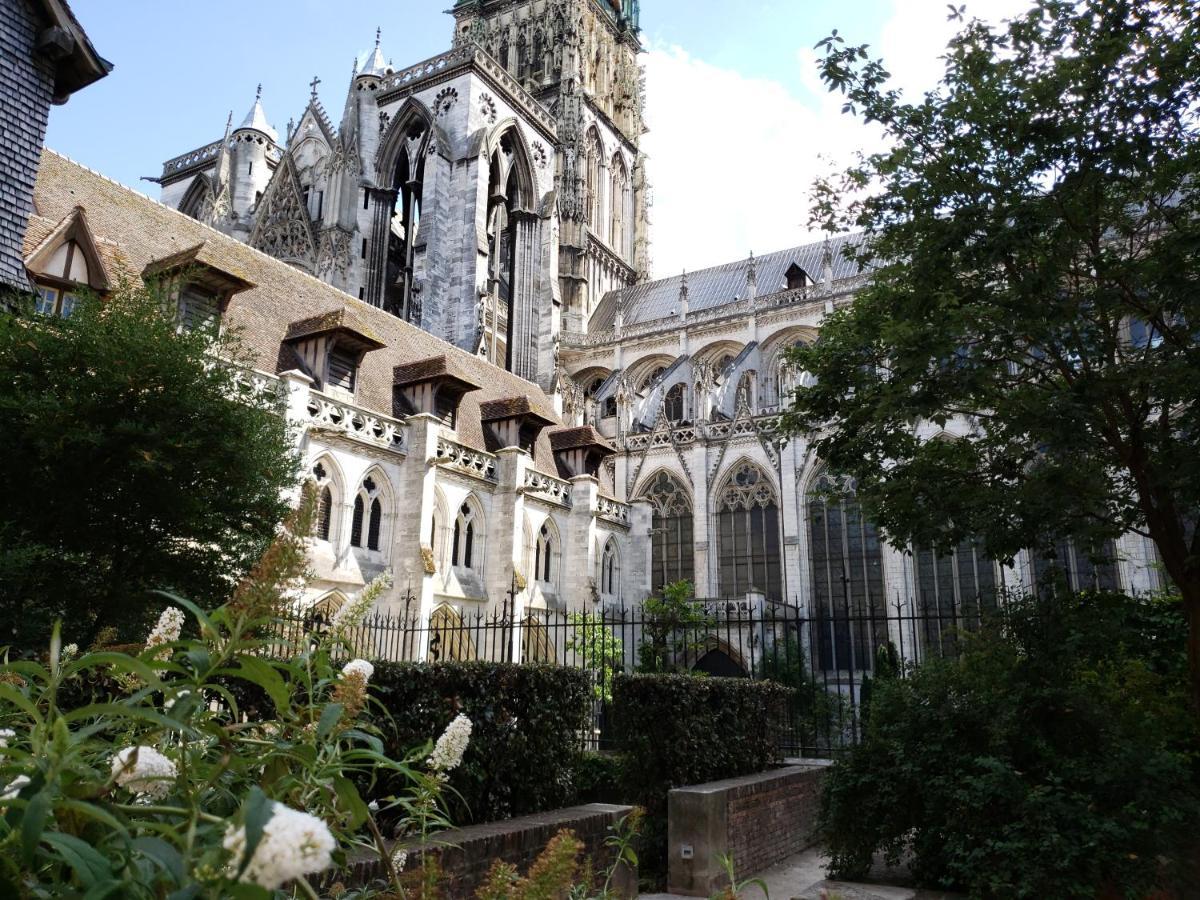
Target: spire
376	64
257	119
751	278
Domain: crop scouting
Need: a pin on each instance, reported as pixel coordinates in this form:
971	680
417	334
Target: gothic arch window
323	478
367	522
1071	566
749	557
620	201
466	543
847	565
594	181
403	228
610	570
652	376
545	555
510	216
539	55
449	639
671	531
608	406
673	403
955	589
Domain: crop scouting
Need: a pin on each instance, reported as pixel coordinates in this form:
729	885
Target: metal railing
828	658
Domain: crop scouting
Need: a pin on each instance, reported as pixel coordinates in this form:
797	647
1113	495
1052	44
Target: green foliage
527	725
673	630
598	649
1032	229
677	730
132	462
1054	758
82	813
819	716
600	778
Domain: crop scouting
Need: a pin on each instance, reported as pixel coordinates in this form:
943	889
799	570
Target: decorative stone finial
378	35
258	93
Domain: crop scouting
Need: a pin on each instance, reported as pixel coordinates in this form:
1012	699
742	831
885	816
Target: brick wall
466	854
758	820
26	86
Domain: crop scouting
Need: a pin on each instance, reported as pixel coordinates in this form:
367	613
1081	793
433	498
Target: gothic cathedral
491	195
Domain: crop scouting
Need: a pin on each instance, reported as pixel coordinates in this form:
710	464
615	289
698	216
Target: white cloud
732	158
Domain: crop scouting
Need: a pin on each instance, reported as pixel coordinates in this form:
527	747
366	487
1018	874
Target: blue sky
730	84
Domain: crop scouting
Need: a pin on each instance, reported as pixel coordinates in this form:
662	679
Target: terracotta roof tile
584	436
145	230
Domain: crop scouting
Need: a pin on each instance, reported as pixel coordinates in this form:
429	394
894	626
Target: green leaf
33	821
329	717
104	889
15	697
162	853
90	865
351	802
264	674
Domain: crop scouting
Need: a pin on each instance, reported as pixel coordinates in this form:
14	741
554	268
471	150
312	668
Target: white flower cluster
14	787
399	859
293	844
167	629
361	666
351	615
69	652
450	747
6	735
144	770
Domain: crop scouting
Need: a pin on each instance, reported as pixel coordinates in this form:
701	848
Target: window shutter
197	310
341	370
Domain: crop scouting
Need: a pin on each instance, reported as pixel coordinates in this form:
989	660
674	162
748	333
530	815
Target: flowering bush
171	790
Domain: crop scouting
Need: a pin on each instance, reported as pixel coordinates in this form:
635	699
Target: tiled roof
710	288
335	320
585	436
426	370
506	408
145	230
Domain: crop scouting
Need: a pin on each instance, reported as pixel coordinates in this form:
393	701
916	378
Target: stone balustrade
547	487
612	510
338	416
458	458
196	157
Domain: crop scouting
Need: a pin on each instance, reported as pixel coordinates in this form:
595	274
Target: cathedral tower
579	58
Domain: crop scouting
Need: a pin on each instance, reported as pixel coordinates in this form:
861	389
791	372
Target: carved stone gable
282	225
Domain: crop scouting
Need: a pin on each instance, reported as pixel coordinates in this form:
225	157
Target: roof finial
258	93
313	84
378	35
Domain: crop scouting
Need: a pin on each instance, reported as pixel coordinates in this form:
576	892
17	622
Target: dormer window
330	347
198	285
199	310
64	265
432	386
797	278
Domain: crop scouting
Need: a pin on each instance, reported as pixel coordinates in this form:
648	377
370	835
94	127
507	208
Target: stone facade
488	195
44	56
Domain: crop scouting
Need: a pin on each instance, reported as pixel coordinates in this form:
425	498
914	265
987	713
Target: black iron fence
829	657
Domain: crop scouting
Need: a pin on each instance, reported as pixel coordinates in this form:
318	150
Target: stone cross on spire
313	84
258	93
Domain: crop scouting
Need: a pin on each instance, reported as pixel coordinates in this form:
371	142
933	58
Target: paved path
802	877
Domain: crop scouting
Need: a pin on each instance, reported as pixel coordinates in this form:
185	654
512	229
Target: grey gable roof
710	288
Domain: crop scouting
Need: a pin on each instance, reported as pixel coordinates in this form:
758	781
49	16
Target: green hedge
525	741
683	729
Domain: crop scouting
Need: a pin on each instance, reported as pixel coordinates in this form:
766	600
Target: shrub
682	729
528	720
1056	757
600	778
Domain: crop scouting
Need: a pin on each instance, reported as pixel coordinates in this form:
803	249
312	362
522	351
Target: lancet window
545	549
463	551
748	535
955	589
403	235
324	512
368	516
509	312
847	567
672	547
610	570
673	404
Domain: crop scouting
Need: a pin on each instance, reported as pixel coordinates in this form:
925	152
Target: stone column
506	544
579	559
705	557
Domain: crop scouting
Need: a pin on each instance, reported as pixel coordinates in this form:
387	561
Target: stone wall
467	854
26	86
758	820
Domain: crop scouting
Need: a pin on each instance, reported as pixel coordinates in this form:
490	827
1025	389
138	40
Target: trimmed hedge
684	729
526	723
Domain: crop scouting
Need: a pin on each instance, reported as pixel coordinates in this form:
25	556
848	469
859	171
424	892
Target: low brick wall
466	854
758	820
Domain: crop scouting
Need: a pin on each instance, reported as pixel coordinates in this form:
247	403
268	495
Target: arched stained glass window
610	570
356	525
672	547
673	404
374	524
544	550
955	589
847	566
748	538
462	551
1076	569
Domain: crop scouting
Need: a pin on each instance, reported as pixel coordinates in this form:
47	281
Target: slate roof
710	288
506	408
132	231
583	436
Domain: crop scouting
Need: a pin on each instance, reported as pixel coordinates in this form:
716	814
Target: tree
131	463
1033	237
